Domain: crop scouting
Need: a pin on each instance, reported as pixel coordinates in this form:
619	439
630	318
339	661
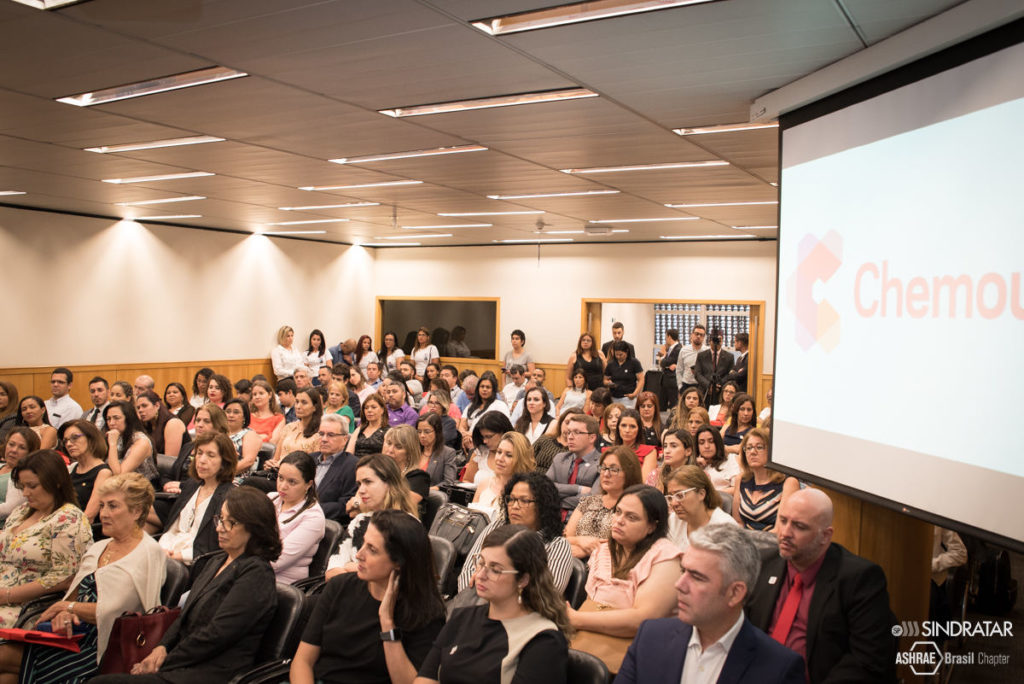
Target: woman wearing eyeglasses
694	503
759	492
436	458
519	635
591	522
513	455
87	450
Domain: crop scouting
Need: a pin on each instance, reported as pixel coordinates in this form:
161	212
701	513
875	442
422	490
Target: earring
520	596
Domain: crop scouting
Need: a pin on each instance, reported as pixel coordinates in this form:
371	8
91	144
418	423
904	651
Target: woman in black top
519	635
589	359
376	624
86	448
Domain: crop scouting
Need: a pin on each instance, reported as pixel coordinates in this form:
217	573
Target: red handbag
134	636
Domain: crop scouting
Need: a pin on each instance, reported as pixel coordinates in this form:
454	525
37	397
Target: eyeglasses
519	501
493	569
73	437
678	496
611	470
325	435
227	523
755	447
576	433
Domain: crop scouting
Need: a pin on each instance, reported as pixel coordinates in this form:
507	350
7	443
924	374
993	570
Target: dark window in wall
459	327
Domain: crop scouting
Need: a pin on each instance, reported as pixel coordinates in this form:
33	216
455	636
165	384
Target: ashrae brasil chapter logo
816	322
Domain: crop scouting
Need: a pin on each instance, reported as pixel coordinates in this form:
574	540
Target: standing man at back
668	357
688	358
61	407
618	332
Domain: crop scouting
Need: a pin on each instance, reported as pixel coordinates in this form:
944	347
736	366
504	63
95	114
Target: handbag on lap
134	636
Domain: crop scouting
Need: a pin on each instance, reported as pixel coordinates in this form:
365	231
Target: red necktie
575	470
714	360
788	614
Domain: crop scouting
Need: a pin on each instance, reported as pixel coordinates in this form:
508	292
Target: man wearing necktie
99	393
713	364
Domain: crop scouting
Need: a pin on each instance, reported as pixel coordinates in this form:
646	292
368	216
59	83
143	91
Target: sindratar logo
816	321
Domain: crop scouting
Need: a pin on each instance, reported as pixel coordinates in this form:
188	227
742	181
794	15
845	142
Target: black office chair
444	558
267	673
328	545
175	584
585	668
435	499
31	610
266	452
576	589
281	639
165	466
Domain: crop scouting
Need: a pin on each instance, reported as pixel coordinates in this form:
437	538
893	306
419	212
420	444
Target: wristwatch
391	635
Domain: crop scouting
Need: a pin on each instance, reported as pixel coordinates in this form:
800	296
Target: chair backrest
282	636
266	451
175	583
444	558
585	668
726	501
576	589
435	499
328	545
165	466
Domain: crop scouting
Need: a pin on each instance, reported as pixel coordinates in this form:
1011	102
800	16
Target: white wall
84	290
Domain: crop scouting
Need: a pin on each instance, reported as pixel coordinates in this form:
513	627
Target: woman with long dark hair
302	434
487	399
128	446
742	417
199	385
438	459
8	407
32	413
373	425
589	359
166	432
177	402
299	516
390	353
710	455
364	353
423	352
19	442
536	417
316	355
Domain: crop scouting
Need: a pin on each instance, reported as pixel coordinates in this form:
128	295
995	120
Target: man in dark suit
575	472
738	374
668	356
712	367
711	640
822	601
335	469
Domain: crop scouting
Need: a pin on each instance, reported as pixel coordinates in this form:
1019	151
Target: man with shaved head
143	384
822	601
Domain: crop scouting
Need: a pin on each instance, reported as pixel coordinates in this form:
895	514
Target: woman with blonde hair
402	444
513	455
759	492
337	402
285	358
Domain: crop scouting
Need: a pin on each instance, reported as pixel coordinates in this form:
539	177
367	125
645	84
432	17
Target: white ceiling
319	70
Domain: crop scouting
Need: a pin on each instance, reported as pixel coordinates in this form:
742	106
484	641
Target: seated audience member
316	355
230	605
402	445
302	434
423	352
694	503
337	402
381	487
374	376
536	417
519	634
376	624
373	425
128	446
555	441
19	442
438	402
845	632
265	416
627	433
486	400
589	359
720	412
406	369
697	416
390	353
122	573
721	467
609	425
597	401
176	402
513	455
650	419
199	384
303	378
9	405
243	390
286	391
689	399
710	640
515	381
576	395
165	431
536	379
531	500
219	389
357	385
32	414
89	470
631	574
741	419
364	353
285	358
575	471
122	391
759	491
335	477
624	375
436	458
482	445
467	384
948	552
678	451
190	530
399	410
44	538
324	374
99	395
299	517
591	522
209	419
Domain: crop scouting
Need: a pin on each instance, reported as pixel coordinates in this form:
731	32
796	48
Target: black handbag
459	525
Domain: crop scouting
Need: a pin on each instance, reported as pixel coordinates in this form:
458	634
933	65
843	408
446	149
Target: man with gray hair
335	469
143	384
711	640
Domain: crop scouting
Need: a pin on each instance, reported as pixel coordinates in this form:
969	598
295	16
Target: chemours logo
816	322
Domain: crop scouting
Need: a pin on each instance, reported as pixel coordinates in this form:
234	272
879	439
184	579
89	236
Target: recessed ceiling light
555	194
154	144
719	204
392	244
620	230
164	177
11	192
293	232
532	240
574	13
156	85
756	227
187	198
48	4
386	184
448	226
408	155
648	167
419	236
489	102
706	237
565	232
303	223
724	128
495	213
774	185
330	206
648	220
167	218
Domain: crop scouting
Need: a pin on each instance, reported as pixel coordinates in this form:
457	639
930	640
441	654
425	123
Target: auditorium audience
122	391
650	419
518	356
576	395
199	384
357	385
209	418
439	402
512	456
300	435
129	448
89	470
177	404
390	353
486	399
285	358
8	407
624	375
758	492
720	412
627	433
436	458
19	442
300	518
591	521
588	359
265	416
373	425
32	414
694	503
689	399
609	425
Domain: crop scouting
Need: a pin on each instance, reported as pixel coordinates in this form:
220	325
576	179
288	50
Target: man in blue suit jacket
335	469
711	640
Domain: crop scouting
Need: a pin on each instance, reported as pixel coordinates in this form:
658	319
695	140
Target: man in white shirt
61	408
99	394
688	358
518	375
710	640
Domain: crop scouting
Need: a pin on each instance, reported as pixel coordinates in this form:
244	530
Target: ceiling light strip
393	244
169	217
574	13
385	184
724	128
12	192
490	102
292	232
708	237
756	227
141	203
303	223
584	193
648	220
163	177
532	212
419	236
154	144
720	204
533	240
157	85
449	226
437	151
348	205
649	167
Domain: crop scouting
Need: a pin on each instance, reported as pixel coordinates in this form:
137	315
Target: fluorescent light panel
649	167
565	232
154	144
303	223
648	220
449	226
419	236
719	204
157	85
11	192
489	102
163	177
756	227
555	194
574	13
330	206
393	244
169	217
533	240
408	155
706	237
48	4
187	198
496	213
385	184
724	128
293	232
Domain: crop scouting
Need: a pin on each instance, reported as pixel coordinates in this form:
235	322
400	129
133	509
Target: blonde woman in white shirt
285	358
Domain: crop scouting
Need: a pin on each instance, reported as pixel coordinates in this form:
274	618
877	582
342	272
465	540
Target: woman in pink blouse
299	516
